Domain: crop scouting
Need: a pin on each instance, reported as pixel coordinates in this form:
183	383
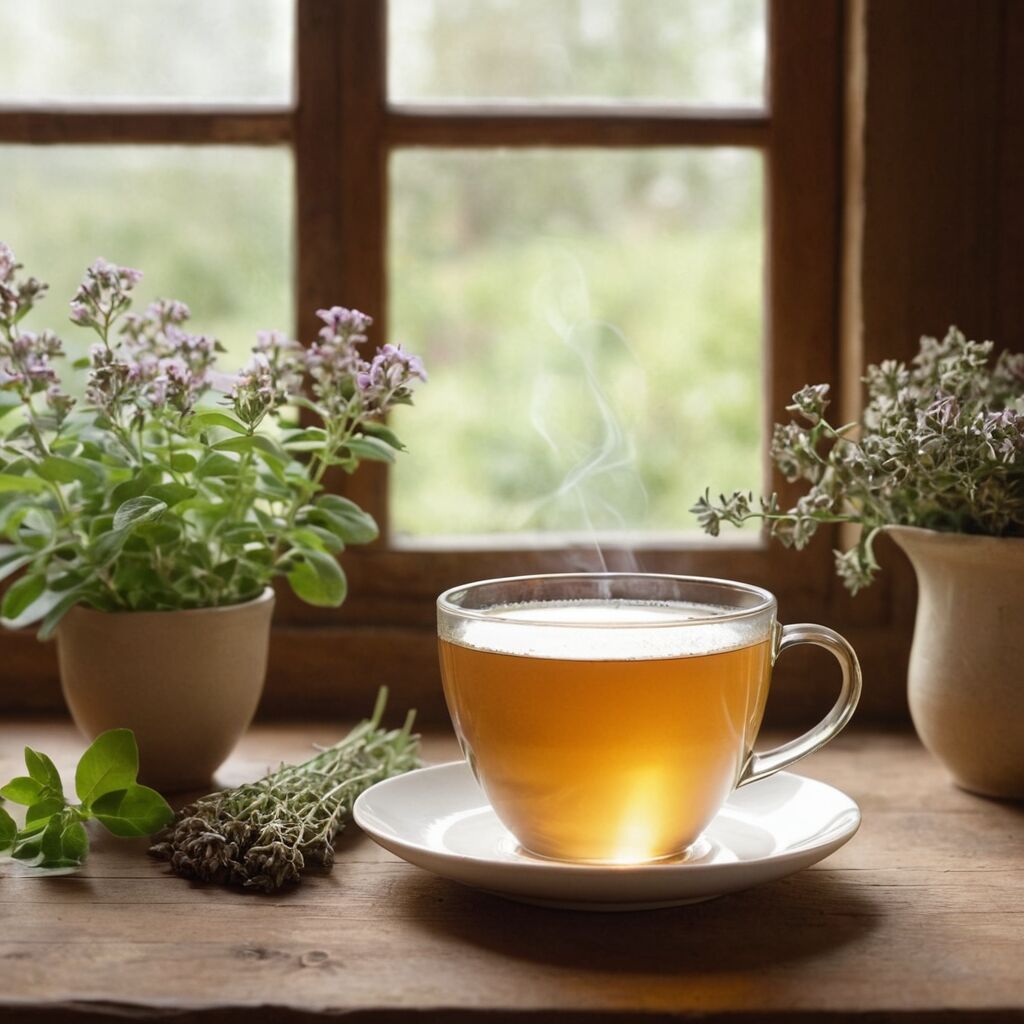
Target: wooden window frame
342	130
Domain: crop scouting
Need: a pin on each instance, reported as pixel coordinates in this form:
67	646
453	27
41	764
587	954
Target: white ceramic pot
186	682
966	680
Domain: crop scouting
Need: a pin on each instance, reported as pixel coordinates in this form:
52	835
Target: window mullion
340	182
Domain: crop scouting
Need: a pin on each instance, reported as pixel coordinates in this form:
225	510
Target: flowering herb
53	835
940	445
264	835
170	485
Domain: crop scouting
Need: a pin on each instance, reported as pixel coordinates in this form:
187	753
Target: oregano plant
53	834
940	445
158	482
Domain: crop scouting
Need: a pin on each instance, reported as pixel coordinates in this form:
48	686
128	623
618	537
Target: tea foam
606	630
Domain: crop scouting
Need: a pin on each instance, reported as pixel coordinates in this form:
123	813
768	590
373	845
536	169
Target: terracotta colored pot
966	680
186	682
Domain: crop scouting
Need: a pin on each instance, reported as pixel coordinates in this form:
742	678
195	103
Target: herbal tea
598	742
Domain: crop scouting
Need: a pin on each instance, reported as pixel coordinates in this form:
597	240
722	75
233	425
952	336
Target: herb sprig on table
53	835
265	834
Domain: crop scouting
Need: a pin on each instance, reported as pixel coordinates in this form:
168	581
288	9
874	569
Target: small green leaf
28	850
22	790
21	594
41	811
183	462
252	443
318	579
345	519
107	546
75	841
171	493
9	566
135	485
43	770
134	811
68	599
370	448
385	433
111	763
62	470
8	830
50	844
31	484
143	509
204	420
38	609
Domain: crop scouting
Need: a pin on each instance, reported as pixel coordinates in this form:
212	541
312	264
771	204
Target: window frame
798	130
341	130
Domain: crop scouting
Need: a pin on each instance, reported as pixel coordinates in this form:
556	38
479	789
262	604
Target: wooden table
919	918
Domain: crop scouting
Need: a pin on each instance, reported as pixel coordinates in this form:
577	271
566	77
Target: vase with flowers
937	463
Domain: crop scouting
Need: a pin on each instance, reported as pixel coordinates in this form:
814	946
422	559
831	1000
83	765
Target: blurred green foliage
208	225
592	322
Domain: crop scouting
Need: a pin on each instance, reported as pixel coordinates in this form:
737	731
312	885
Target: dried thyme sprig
264	834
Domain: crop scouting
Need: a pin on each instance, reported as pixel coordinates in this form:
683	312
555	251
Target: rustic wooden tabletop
920	918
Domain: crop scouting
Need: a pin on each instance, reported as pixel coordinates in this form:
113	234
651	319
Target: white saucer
439	819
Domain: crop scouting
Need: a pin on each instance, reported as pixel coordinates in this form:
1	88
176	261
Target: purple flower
387	380
8	263
60	404
342	323
104	292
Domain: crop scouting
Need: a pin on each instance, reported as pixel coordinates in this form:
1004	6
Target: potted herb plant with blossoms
146	519
937	463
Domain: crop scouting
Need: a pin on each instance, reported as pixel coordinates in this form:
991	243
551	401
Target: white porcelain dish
439	819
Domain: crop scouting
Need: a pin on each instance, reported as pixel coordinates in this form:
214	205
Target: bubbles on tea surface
619	630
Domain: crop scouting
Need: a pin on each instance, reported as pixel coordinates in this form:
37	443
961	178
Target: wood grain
249	125
539	125
920	918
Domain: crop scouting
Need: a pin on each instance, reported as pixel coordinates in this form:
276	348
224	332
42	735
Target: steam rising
571	409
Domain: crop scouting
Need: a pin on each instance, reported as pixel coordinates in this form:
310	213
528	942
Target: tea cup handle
760	766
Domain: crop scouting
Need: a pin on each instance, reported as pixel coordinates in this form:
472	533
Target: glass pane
674	51
209	226
112	50
592	324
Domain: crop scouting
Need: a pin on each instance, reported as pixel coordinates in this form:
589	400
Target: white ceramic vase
185	682
966	679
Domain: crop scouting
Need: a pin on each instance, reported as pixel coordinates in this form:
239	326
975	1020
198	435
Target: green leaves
53	835
43	770
135	511
373	449
20	595
23	789
134	811
8	831
205	419
318	579
344	518
28	484
111	763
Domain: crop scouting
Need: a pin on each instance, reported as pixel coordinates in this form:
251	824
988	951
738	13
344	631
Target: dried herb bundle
264	834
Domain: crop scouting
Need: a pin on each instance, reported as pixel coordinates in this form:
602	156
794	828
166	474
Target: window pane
112	50
592	323
675	51
209	226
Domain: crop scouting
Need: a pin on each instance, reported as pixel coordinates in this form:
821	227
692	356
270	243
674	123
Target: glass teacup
608	716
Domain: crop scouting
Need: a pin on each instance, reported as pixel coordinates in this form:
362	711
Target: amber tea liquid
598	742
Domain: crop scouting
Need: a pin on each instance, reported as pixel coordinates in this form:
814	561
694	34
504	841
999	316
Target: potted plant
148	516
937	462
